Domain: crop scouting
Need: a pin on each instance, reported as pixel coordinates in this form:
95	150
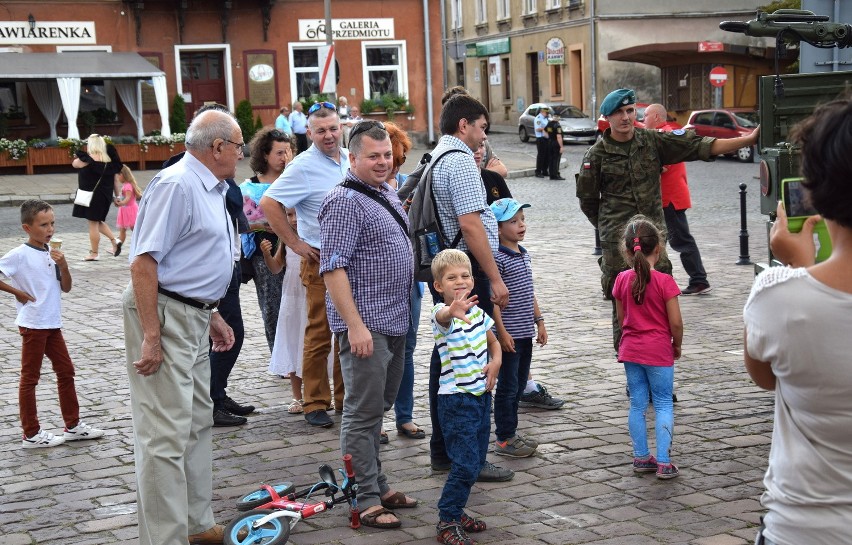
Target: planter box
129	153
6	161
158	154
400	118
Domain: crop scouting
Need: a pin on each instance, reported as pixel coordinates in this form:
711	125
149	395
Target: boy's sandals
295	407
371	519
471	524
452	533
397	500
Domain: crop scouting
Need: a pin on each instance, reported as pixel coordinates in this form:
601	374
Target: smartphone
798	209
795	201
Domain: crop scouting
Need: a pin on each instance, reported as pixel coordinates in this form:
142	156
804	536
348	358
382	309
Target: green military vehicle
787	99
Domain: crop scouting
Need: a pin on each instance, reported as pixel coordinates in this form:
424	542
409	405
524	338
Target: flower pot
161	152
7	161
129	153
49	156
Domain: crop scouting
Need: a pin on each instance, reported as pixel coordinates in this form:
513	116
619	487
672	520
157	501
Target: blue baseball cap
505	209
617	99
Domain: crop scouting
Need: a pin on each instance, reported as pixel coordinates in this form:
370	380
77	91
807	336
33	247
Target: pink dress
127	213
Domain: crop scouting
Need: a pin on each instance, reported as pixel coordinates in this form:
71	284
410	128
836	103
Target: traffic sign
718	76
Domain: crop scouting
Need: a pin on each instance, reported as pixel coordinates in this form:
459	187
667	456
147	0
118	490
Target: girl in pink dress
127	203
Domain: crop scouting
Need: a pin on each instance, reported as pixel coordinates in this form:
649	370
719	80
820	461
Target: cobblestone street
579	488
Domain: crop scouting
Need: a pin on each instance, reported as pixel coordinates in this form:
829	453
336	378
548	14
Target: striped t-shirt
463	350
515	270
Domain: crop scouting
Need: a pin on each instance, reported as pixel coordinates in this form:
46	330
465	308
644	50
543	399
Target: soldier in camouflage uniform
620	177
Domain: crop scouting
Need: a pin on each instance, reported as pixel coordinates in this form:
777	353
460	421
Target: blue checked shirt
360	235
515	270
457	184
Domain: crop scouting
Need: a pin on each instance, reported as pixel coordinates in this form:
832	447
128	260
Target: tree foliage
775	5
177	120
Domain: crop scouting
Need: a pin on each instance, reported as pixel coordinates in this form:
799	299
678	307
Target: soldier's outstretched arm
724	146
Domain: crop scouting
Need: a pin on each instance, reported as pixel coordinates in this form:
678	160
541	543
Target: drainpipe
594	64
444	41
429	107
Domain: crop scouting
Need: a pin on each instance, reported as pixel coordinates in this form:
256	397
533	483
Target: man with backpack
465	222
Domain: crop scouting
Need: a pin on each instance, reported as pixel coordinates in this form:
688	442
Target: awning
124	71
664	55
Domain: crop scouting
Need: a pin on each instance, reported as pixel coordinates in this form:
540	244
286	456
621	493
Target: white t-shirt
801	327
32	270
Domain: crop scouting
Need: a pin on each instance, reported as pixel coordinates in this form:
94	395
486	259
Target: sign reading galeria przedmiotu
47	32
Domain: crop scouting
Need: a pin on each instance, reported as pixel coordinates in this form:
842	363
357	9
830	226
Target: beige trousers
172	420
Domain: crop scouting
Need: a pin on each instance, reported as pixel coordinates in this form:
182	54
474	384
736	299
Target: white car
577	127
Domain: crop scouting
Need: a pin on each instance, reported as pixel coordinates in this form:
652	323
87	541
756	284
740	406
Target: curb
17	200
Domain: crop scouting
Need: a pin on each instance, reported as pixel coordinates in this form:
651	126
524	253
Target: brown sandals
397	500
371	519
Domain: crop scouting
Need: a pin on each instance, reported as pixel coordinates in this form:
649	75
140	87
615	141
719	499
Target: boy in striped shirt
516	328
465	341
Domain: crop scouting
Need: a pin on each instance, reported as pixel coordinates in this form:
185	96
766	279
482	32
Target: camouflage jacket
613	185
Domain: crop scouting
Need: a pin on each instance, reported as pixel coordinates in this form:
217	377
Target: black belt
187	300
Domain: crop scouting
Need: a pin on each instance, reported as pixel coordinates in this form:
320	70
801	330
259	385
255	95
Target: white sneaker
42	439
82	431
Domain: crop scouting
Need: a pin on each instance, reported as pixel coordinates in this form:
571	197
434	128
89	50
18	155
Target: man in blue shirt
368	267
299	126
542	158
282	122
178	275
302	186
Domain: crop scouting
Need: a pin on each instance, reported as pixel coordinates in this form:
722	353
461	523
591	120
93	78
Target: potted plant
156	147
13	153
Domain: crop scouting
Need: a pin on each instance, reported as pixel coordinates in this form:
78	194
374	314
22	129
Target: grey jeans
371	386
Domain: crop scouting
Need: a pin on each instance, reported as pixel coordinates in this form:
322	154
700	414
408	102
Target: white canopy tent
54	82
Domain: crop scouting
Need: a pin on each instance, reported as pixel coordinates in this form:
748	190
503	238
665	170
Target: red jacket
673	179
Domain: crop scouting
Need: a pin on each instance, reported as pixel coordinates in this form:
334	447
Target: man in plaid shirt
368	267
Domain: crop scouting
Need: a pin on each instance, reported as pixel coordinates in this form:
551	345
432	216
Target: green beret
617	99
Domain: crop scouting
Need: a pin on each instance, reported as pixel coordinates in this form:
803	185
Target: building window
455	14
481	15
530	7
503	9
460	73
305	77
554	4
507	88
384	69
556	80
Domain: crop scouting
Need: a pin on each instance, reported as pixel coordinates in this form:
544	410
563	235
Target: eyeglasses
364	126
319	105
275	134
238	144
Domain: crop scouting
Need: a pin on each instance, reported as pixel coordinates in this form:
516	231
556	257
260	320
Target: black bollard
598	250
744	257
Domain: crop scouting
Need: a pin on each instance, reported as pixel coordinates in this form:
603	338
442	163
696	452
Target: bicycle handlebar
354	512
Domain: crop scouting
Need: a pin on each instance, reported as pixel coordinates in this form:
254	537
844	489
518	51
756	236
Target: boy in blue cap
516	324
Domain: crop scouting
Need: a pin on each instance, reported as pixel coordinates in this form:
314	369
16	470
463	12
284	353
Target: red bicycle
273	511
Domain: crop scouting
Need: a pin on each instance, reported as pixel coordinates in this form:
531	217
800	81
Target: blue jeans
510	385
482	288
404	405
466	422
221	363
660	380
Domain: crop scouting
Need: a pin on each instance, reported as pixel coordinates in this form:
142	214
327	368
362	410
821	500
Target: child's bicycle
272	511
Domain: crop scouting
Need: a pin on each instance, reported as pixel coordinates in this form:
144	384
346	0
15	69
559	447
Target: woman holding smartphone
797	344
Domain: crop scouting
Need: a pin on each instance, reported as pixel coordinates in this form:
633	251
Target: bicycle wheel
241	530
261	496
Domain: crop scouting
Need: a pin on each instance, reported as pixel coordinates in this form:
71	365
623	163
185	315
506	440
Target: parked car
577	127
723	124
603	124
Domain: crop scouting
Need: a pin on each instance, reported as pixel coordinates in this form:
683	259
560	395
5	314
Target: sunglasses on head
275	134
364	126
316	107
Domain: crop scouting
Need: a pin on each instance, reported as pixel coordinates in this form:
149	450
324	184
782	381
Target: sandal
452	533
383	438
471	524
295	407
93	256
371	519
416	433
117	250
397	500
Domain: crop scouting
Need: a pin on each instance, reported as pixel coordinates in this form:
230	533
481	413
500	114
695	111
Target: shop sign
261	79
555	51
488	48
47	32
710	47
347	29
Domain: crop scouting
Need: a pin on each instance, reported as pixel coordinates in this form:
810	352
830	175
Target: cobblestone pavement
578	488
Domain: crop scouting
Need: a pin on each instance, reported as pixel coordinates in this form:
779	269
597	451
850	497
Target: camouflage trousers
611	263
